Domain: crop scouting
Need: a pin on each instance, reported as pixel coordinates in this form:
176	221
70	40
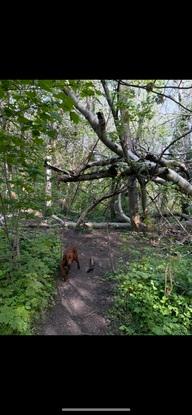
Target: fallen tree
73	225
126	164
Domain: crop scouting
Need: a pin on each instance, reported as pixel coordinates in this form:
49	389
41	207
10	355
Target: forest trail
83	300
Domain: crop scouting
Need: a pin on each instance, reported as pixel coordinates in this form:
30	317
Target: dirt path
83	301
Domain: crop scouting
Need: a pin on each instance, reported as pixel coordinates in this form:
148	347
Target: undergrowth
141	305
27	289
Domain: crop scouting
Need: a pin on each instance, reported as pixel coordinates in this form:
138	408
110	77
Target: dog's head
70	258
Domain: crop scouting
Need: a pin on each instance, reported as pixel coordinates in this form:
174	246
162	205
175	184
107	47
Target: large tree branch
101	132
175	178
159	180
167	163
107	162
108	143
110	102
86	177
67	177
90	117
65	172
148	170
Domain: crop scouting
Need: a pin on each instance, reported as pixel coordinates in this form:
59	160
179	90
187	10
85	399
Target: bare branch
179	223
155	86
96	202
110	102
158	180
88	158
157	93
66	172
172	99
173	142
157	207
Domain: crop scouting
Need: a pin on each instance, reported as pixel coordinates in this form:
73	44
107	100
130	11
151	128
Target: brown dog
68	258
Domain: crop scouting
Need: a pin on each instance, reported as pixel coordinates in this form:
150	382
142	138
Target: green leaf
35	132
8	112
67	104
74	117
47	85
87	92
2	92
5	84
38	141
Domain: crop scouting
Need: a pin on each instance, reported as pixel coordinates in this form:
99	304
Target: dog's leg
78	265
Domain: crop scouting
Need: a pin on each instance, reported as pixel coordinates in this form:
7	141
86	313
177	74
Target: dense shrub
141	306
28	289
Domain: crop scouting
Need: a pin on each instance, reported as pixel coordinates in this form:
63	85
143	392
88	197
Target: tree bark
133	204
112	201
143	198
88	225
120	215
48	184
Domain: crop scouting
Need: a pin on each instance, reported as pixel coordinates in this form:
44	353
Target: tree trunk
143	198
48	175
120	215
133	204
112	200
